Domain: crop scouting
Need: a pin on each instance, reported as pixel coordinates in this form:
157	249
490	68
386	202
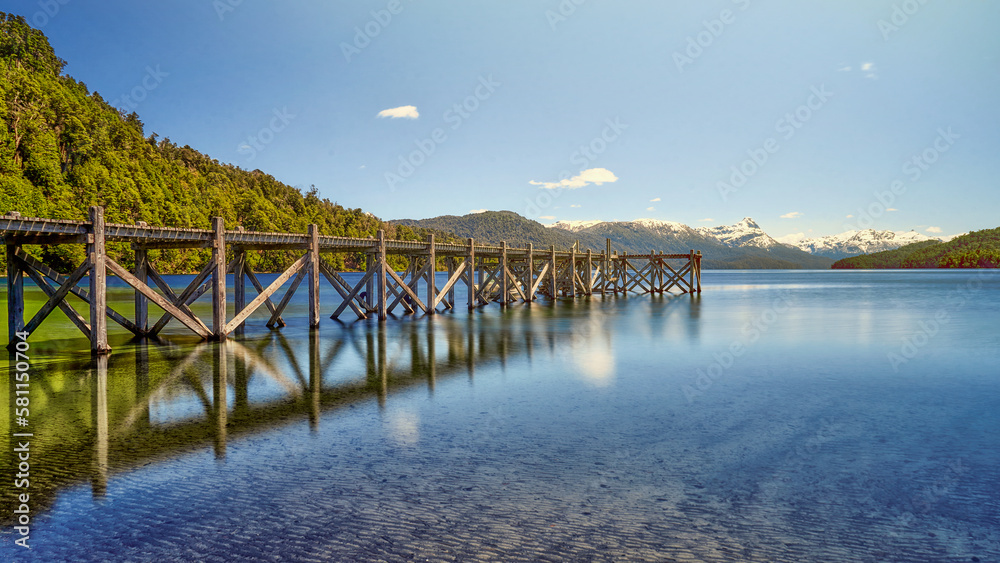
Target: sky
813	118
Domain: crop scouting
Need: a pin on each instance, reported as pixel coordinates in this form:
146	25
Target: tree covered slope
64	148
978	249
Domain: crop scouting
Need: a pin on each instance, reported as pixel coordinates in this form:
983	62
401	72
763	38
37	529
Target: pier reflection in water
160	399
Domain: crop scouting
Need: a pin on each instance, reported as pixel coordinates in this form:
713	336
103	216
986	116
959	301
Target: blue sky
697	112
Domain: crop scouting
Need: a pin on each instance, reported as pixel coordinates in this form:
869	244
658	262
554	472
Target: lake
778	416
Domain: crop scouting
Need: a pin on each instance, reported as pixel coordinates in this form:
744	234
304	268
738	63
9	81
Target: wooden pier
490	273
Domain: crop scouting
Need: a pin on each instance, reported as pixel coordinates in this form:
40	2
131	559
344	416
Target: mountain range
742	245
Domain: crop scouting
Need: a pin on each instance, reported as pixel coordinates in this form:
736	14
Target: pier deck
491	274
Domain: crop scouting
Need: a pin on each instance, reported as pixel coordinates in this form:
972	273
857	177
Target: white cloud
870	70
933	229
362	167
706	220
590	176
892	209
408	112
574	205
650	209
547	217
792	215
478	210
844	68
792	238
849	216
655	199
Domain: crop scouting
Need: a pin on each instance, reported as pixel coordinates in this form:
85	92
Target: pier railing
490	273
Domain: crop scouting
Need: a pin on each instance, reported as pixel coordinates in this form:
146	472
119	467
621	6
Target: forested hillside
978	249
63	148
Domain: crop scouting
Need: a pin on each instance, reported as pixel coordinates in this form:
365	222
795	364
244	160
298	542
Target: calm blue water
780	416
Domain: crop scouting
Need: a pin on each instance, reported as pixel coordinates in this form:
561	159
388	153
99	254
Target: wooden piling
380	279
572	270
97	256
450	261
431	270
141	302
15	296
470	257
554	277
314	275
239	284
691	272
218	279
590	273
698	271
504	290
531	272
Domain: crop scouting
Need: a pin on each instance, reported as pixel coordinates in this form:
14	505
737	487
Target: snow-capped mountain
574	226
745	233
852	243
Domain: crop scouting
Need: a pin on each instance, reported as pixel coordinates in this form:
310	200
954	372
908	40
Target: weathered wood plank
141	303
260	289
342	287
314	274
76	290
15	296
218	278
354	292
239	281
57	296
431	283
382	266
408	290
189	321
181	302
97	256
68	309
452	280
287	297
305	262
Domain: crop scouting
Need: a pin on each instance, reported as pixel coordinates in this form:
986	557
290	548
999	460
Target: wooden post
698	273
314	274
531	272
654	273
239	284
554	277
471	257
370	284
15	296
691	272
450	262
98	283
590	273
219	279
431	270
572	270
504	290
607	266
382	265
141	303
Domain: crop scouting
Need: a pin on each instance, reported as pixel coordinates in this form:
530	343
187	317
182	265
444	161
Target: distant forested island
977	249
63	149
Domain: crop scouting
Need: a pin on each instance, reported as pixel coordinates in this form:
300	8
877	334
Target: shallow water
780	416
